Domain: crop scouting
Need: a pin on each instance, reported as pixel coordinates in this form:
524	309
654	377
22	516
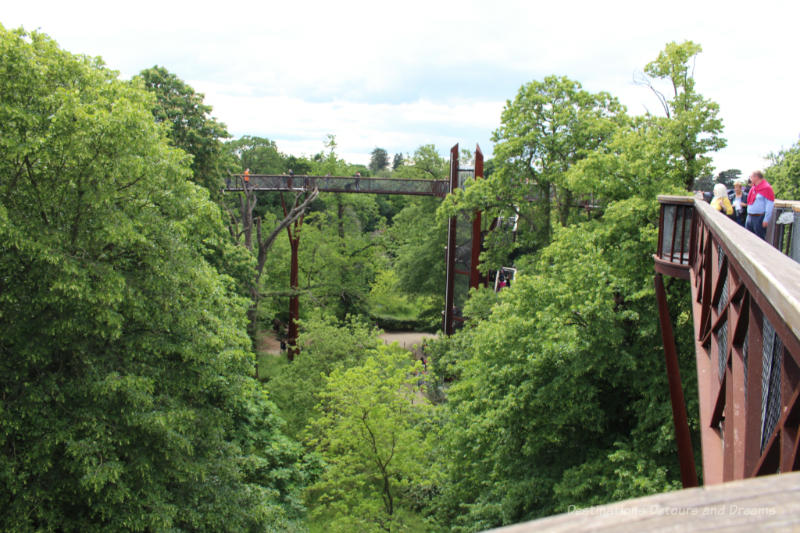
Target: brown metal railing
784	228
746	309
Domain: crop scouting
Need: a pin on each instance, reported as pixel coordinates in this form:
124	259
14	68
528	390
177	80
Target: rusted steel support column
293	231
294	299
682	436
474	274
450	254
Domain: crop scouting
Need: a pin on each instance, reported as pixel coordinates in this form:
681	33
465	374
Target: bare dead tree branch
265	244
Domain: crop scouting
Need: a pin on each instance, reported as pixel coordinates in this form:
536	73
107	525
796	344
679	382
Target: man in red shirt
760	203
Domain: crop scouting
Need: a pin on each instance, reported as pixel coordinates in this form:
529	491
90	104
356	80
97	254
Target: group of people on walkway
750	207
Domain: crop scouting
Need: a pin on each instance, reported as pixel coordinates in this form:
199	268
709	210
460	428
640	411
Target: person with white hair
738	198
721	201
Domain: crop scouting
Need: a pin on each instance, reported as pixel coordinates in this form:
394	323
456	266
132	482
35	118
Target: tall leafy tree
258	154
325	344
339	259
371	430
191	126
416	237
727	177
784	172
397	161
379	160
560	392
426	163
127	401
695	128
549	126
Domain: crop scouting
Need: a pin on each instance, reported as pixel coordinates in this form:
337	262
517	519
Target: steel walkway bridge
746	312
339	184
464	235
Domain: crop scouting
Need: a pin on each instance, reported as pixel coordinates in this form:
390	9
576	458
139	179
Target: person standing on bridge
721	201
760	201
738	198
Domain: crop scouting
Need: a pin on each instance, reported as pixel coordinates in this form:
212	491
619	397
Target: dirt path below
406	339
267	343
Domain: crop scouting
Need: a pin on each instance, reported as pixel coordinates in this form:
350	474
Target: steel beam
450	253
338	184
474	274
679	419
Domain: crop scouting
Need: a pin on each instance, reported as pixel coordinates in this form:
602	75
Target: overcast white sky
398	75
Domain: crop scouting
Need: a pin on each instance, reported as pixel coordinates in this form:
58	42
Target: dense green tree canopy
397	161
127	401
191	126
379	160
374	432
550	125
784	173
258	154
559	396
126	393
695	128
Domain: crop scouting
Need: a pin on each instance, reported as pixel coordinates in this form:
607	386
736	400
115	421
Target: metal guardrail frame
746	309
339	184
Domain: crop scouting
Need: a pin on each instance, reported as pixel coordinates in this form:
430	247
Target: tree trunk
340	215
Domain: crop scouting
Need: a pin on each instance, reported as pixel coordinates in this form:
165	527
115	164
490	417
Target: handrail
776	274
746	310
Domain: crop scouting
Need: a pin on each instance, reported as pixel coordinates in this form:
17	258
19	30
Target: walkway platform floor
769	503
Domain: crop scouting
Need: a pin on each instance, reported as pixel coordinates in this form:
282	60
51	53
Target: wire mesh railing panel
723	298
465	174
340	184
722	348
676	233
770	382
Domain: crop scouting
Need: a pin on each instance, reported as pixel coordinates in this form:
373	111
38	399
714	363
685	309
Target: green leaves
559	396
370	429
784	172
694	128
124	364
189	125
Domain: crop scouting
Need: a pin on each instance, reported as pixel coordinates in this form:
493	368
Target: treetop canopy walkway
746	313
338	184
464	233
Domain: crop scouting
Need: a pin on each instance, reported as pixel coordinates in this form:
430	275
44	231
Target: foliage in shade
127	401
325	345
